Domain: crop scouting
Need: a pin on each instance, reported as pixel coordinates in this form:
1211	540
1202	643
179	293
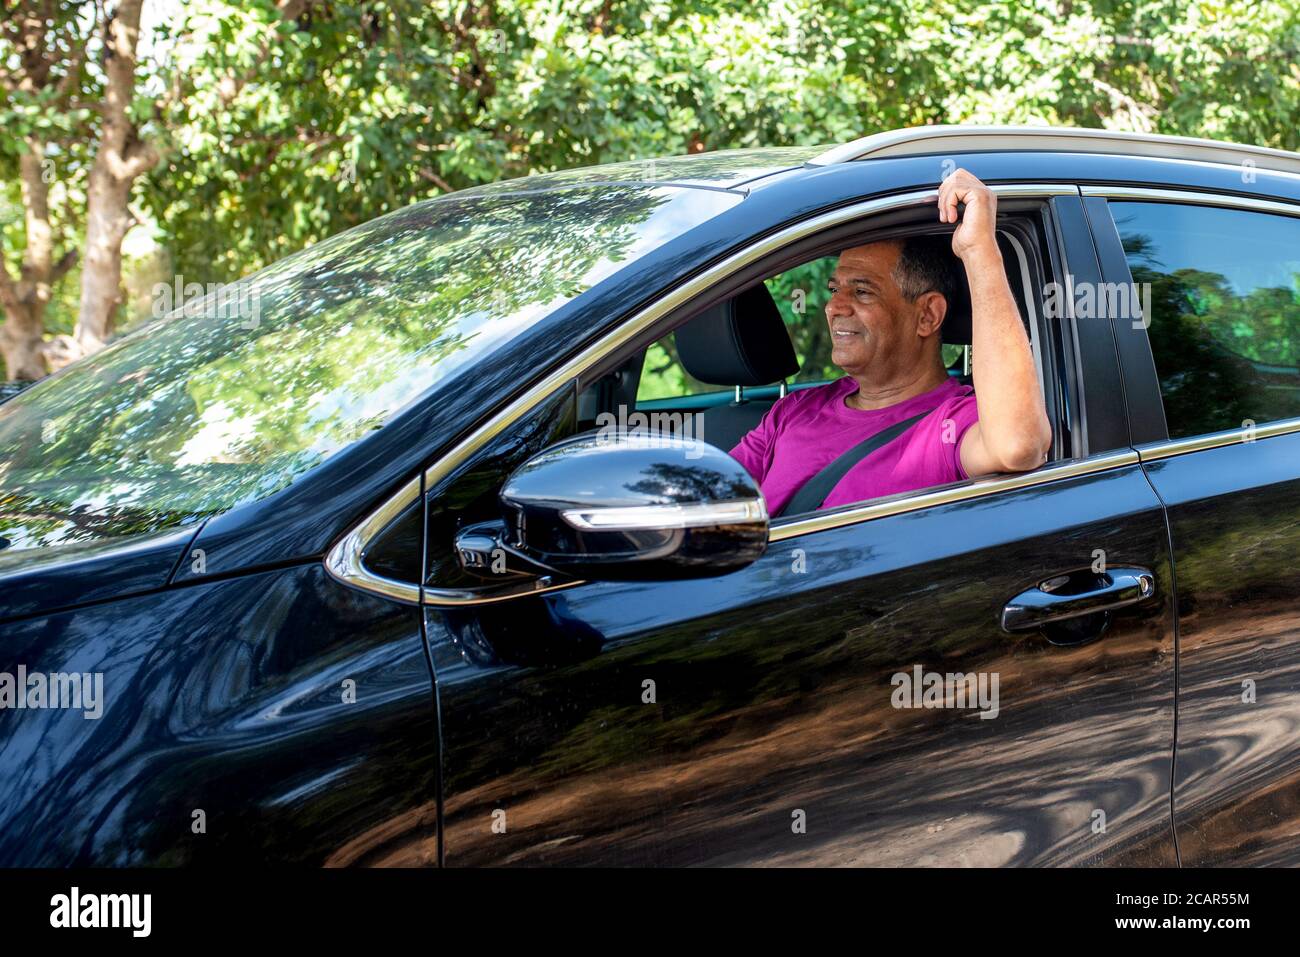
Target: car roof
739	168
928	141
937	140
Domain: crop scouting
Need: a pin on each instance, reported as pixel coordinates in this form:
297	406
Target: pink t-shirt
808	429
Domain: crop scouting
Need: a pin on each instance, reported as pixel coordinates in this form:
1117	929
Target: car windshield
233	395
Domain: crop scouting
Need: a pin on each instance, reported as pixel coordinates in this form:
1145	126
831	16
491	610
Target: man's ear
933	308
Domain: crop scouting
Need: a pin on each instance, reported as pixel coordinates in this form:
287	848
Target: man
888	300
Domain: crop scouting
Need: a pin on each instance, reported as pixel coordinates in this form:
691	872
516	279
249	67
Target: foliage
364	107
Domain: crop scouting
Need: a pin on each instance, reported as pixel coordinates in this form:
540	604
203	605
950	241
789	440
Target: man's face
875	331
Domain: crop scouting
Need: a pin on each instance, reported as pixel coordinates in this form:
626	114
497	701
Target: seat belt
814	491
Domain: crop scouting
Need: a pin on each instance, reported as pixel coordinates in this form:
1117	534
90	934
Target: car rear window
1224	290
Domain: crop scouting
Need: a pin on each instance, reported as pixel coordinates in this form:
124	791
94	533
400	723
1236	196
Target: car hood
81	572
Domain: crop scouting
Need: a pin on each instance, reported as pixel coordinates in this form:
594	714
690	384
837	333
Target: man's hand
1013	433
974	232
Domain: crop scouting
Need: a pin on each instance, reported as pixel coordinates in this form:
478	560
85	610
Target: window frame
1143	396
1018	234
760	257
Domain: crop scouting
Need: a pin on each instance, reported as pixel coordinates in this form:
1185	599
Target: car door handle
1072	594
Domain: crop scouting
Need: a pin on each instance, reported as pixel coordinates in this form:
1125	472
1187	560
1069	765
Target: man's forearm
1012	434
1013	426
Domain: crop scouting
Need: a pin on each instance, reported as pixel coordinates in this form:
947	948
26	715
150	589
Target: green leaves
278	132
420	97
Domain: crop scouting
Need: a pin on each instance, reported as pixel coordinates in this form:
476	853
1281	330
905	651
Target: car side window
801	295
1223	287
774	330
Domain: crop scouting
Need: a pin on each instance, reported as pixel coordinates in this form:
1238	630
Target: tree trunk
25	301
20	343
121	157
107	221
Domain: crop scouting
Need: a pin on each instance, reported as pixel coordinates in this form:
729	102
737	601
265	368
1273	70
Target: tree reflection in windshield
211	407
1225	301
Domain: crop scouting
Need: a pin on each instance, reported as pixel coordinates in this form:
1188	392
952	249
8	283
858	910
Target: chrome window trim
980	488
343	560
1154	451
1026	280
1193	198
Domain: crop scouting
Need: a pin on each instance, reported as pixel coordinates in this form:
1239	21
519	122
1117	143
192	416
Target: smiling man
888	301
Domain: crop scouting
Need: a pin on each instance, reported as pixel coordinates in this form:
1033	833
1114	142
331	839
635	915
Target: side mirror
623	508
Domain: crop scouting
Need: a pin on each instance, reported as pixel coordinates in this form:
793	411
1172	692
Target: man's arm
1013	433
754	449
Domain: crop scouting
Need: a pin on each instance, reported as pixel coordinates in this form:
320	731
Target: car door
852	697
1220	273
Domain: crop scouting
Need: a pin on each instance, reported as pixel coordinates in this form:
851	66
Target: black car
429	549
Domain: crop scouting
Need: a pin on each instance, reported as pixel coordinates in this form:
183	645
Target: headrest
956	328
740	341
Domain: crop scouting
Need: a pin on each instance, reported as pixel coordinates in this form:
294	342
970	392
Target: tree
122	156
365	107
41	78
80	112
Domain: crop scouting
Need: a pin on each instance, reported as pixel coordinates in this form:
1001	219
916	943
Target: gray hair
927	264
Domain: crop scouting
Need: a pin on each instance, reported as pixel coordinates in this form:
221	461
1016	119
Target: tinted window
230	398
1225	311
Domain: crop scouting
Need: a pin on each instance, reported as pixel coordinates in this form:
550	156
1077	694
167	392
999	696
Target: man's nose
837	306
